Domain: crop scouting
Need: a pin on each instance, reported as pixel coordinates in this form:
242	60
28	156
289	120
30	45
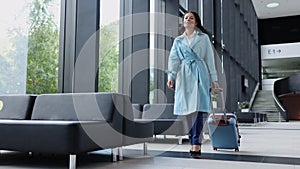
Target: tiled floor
263	146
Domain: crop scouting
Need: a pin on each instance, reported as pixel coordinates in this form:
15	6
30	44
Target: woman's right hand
170	84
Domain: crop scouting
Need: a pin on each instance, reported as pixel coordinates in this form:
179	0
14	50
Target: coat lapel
196	39
184	40
194	42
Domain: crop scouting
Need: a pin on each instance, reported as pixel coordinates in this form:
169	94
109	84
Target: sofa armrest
137	132
138	129
16	106
137	110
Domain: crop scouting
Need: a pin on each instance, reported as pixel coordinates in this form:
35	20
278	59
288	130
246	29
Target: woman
191	64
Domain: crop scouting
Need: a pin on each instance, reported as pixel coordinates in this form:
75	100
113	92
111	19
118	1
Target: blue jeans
196	128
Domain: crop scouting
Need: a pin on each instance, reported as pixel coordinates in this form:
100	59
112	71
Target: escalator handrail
278	102
283	86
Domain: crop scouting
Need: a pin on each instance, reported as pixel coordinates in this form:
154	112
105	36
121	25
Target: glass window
29	43
184	3
109	45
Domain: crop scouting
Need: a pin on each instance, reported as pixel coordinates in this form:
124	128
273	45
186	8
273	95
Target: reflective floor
265	145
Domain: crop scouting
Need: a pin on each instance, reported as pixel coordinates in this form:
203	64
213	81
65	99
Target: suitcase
223	129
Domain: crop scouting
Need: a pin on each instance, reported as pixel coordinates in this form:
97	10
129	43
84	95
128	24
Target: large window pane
109	46
29	46
13	46
43	46
184	3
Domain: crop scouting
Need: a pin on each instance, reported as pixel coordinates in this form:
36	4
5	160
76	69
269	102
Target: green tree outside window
108	58
43	48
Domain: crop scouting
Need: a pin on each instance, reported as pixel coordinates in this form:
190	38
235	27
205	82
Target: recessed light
272	5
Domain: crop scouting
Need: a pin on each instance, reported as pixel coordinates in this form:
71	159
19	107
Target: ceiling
285	8
282	20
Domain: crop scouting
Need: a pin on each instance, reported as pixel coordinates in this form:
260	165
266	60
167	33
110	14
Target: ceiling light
272	5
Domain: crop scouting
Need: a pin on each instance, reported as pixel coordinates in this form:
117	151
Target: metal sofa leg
72	161
145	148
120	152
114	154
180	140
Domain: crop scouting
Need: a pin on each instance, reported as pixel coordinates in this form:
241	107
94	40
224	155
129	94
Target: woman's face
189	21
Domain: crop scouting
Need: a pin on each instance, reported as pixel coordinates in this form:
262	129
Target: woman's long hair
198	20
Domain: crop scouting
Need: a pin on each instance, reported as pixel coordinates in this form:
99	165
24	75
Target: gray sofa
165	122
135	132
69	123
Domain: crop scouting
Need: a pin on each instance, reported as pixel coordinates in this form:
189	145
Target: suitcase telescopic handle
220	92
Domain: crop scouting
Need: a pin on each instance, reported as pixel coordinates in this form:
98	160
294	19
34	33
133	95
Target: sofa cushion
16	106
74	106
165	122
159	111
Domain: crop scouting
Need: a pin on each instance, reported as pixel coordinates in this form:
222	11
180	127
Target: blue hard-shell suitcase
223	134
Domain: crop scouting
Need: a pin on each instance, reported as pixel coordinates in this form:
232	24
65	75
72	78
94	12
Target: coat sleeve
173	62
210	60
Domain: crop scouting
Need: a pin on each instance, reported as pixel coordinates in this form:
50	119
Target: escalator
286	95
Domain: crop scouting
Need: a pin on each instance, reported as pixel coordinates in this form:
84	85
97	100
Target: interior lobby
64	61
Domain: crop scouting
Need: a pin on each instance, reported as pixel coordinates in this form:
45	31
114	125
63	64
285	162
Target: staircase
264	103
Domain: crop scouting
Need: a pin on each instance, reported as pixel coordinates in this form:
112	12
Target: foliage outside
13	52
108	59
12	69
43	48
42	54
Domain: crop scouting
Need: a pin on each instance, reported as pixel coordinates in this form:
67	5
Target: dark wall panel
241	51
208	16
166	29
79	49
134	70
193	5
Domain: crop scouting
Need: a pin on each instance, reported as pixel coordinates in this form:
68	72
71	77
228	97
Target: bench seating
251	117
248	117
68	123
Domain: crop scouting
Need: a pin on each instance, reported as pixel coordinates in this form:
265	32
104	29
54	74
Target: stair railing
279	106
253	96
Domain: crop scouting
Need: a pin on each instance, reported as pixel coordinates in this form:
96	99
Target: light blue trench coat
193	68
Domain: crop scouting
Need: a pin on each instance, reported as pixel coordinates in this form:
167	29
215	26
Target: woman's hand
170	84
216	87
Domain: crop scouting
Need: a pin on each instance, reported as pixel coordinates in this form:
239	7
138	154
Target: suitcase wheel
236	149
215	148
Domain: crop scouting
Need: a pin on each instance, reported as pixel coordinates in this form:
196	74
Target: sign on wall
278	51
